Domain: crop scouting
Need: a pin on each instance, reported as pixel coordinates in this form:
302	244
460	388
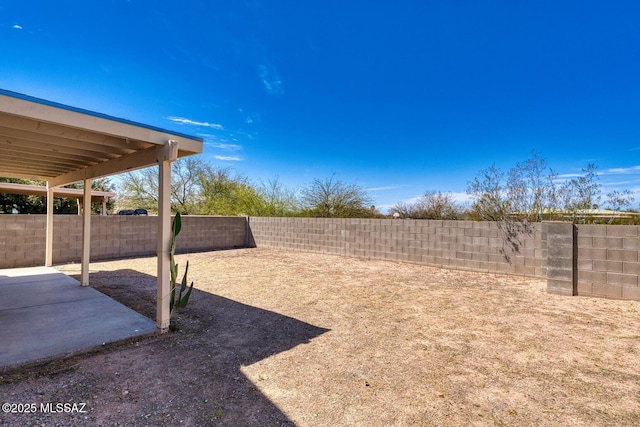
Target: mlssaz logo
69	408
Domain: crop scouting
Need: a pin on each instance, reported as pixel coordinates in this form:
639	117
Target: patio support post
166	154
48	251
86	232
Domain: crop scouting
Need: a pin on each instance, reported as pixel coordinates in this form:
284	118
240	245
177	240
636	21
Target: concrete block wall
608	261
22	237
478	246
588	260
205	233
22	240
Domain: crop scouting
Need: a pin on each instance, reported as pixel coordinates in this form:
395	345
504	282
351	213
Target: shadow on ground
191	377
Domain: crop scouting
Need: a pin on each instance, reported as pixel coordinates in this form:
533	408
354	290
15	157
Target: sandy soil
283	338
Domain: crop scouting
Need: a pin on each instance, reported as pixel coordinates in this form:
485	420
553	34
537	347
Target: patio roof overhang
61	145
39	190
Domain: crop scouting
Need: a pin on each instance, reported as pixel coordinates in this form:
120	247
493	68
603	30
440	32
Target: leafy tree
431	205
185	184
527	192
581	194
490	196
139	189
198	187
332	198
276	199
619	201
531	190
21	202
222	193
403	210
531	193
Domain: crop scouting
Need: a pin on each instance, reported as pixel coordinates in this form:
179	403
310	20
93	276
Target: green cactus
179	295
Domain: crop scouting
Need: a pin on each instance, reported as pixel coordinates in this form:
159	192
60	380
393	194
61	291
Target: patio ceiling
61	144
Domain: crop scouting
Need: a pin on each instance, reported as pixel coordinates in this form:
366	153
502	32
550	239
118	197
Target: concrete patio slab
46	314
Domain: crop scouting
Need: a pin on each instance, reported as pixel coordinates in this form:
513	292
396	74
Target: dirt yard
283	338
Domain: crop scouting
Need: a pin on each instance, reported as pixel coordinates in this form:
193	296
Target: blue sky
402	97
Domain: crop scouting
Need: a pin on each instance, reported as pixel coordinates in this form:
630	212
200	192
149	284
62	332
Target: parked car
137	212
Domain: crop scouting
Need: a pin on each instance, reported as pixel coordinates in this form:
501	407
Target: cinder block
590	230
504	267
583	265
466	240
631	293
456	263
496	242
631	268
558	228
590	253
426	259
607	291
559	240
622	255
526	253
585	242
470	264
481	241
558	251
481	225
491	233
480	257
560	287
559	273
585	289
441	261
607	266
525	270
621	279
622	230
472	232
530	243
533	262
607	242
16	255
454	230
631	243
497	257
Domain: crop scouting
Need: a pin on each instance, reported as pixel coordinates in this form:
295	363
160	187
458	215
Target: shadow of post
250	241
218	336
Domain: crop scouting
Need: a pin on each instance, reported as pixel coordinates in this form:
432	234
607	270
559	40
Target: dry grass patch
276	337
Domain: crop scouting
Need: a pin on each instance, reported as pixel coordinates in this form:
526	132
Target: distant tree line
528	192
200	188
